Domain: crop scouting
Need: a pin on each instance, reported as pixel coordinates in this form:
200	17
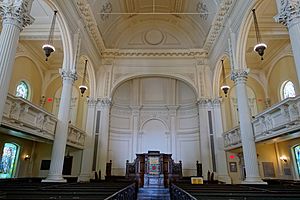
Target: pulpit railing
177	193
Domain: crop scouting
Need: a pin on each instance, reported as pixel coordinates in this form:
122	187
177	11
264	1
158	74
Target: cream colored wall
81	111
25	69
266	153
283	70
285	148
226	103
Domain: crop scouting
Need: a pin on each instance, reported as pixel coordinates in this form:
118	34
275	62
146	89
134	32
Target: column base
54	179
224	178
84	178
254	180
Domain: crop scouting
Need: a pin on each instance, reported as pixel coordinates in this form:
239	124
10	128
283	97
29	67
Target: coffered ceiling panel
119	21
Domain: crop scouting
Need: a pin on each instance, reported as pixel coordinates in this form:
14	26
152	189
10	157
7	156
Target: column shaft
61	132
247	136
15	16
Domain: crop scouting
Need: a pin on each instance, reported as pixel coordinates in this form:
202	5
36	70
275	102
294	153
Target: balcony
31	121
279	120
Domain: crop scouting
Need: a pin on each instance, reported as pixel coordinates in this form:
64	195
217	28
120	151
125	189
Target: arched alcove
154	113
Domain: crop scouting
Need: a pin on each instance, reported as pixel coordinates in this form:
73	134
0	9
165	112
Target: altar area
154	169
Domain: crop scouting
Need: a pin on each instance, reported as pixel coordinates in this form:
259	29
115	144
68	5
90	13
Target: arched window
22	90
297	157
8	160
287	90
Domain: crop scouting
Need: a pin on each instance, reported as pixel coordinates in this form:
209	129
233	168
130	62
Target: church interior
156	92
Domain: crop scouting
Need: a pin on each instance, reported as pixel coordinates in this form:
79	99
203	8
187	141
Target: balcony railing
278	120
27	118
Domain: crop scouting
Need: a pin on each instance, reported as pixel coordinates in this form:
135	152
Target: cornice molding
218	23
195	53
85	12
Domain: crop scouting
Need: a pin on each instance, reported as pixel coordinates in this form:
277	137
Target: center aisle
153	193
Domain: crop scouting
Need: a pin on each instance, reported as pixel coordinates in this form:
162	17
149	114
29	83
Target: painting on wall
232	166
268	168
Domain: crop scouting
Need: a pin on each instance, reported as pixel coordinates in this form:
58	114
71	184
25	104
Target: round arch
91	75
167	128
133	76
242	36
217	75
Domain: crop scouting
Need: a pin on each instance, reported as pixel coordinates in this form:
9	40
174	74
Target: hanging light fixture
224	86
83	86
260	47
48	47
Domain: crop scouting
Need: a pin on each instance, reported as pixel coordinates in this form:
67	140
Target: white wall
151	103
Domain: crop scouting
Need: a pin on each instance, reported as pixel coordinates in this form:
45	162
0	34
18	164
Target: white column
205	151
15	16
289	16
222	171
247	136
105	104
88	151
135	128
61	132
173	114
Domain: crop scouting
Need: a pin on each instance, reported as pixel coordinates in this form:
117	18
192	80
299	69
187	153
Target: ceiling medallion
154	37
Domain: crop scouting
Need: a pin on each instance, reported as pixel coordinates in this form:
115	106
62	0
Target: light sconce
283	158
260	47
83	87
27	157
225	88
48	47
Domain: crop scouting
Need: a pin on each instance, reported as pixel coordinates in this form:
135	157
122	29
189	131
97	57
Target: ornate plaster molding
16	12
218	23
91	25
68	75
289	11
104	102
240	75
155	53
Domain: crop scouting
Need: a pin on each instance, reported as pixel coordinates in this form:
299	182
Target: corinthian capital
16	12
104	102
68	75
239	75
289	11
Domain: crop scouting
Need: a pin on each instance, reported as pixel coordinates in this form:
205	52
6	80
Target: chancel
138	99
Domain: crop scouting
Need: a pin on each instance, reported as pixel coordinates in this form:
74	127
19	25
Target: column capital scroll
289	11
238	75
16	12
68	75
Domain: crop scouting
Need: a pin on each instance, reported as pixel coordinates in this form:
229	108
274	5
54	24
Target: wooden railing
22	115
278	120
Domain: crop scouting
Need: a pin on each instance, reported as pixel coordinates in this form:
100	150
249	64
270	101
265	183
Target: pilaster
105	105
173	119
88	151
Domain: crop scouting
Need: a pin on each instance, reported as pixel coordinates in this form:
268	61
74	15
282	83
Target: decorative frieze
16	12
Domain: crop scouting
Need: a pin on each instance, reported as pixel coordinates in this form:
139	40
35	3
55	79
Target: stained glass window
8	160
288	90
297	155
22	90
